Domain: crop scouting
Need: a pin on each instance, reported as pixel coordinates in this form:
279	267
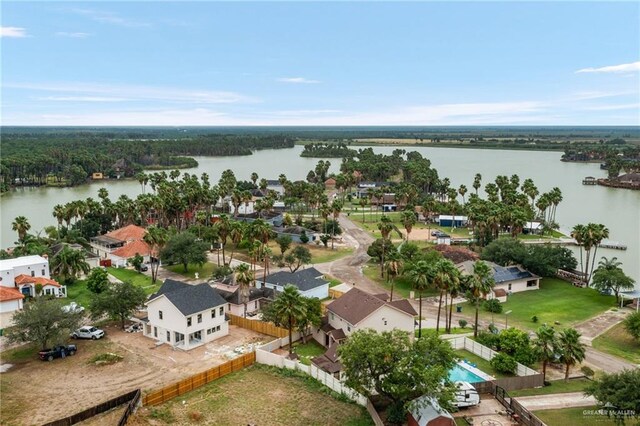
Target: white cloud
81	99
297	80
135	93
14	32
72	35
615	107
619	69
110	18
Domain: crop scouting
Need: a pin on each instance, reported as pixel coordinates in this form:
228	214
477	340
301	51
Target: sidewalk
557	400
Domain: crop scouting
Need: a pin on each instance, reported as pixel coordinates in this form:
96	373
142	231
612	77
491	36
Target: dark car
437	233
143	268
57	352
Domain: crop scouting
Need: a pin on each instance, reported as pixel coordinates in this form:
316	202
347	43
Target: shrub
587	371
221	271
493	305
105	359
163	414
396	414
462	323
493	329
632	325
534	319
504	363
490	340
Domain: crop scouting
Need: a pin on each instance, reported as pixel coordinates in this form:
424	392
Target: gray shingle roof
501	274
189	299
304	279
254	294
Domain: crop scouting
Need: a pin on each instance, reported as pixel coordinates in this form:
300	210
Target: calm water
618	209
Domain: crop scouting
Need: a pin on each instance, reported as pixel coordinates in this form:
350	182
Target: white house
243	208
235	306
185	316
358	310
310	282
10	302
508	279
121	244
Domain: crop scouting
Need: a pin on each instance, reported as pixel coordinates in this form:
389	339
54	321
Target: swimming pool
461	374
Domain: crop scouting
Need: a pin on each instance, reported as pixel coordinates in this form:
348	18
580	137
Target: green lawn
79	293
481	364
402	285
556	386
320	254
21	353
204	271
136	278
574	416
308	350
556	300
618	342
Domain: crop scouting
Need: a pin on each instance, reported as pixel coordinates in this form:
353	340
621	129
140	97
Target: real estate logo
609	411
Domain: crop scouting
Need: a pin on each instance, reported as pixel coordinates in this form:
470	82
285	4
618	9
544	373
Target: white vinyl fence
486	353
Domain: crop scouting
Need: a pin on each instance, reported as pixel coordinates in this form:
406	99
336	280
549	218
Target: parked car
143	268
57	352
88	332
437	233
72	307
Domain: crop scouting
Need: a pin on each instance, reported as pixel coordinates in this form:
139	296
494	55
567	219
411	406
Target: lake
618	209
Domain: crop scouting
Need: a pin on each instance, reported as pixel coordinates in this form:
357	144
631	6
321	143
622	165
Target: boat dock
614	245
589	180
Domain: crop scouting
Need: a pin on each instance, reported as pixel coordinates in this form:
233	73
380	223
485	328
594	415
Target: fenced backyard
524	416
258	326
132	398
198	380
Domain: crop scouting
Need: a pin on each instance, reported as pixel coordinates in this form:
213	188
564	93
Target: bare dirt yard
78	384
256	395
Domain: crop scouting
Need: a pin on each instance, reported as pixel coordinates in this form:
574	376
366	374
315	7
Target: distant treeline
328	150
68	158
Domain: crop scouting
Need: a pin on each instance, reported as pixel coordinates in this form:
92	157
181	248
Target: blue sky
242	63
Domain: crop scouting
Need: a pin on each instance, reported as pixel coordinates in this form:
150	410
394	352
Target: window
160	314
199	318
218	328
213	313
385	322
33	273
509	286
255	304
168	336
333	316
348	328
43	272
189	322
209	330
221	310
155	332
532	283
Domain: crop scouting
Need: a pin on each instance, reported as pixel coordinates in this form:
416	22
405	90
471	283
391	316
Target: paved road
558	400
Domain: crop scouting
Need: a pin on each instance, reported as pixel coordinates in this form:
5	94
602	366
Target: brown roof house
358	310
121	244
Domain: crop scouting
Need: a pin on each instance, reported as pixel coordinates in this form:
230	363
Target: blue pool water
461	374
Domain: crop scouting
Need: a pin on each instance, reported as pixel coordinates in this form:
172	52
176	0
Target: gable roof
28	279
356	305
130	250
427	409
254	294
8	293
128	233
189	299
304	279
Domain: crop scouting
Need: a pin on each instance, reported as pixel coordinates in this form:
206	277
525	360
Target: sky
306	63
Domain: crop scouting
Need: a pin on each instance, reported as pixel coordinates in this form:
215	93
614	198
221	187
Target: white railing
486	353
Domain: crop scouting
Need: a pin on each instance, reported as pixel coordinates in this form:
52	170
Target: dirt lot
256	395
77	384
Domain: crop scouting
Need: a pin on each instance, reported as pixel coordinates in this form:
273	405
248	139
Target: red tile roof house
122	244
358	310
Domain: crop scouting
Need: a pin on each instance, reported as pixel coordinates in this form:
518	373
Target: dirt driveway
75	384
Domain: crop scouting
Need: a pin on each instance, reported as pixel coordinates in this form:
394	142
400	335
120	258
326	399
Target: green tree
572	351
480	284
445	276
504	363
98	280
284	242
336	208
119	302
311	317
184	249
43	322
385	226
156	238
285	311
632	325
505	251
610	277
421	276
622	390
68	263
21	225
546	344
299	256
397	368
244	278
136	261
408	218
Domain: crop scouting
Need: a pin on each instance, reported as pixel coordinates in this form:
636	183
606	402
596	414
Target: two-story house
185	316
121	244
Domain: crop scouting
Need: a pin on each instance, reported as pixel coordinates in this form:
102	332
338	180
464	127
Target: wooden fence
259	326
197	380
131	407
525	416
98	409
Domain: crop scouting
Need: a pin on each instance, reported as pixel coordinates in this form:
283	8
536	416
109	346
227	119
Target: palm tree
336	208
156	238
394	267
571	349
21	226
254	177
445	275
58	213
363	202
596	233
545	344
480	284
237	232
68	263
385	226
455	287
244	278
462	190
223	227
408	218
262	231
420	274
577	234
287	308
477	182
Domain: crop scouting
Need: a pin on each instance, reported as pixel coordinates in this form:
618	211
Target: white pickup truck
88	332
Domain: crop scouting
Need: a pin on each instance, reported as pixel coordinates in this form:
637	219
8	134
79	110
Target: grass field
136	278
574	416
258	395
480	363
204	271
556	386
556	300
308	350
402	285
618	342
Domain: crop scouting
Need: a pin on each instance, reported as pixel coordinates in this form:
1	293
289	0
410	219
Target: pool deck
476	371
